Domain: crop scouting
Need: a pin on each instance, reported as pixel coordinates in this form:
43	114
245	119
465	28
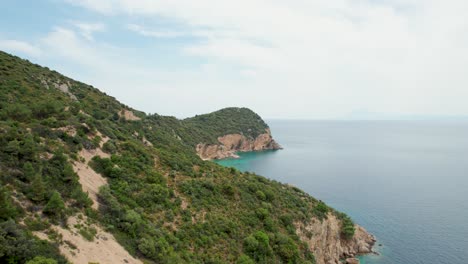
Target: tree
37	189
68	173
28	171
55	207
28	148
7	209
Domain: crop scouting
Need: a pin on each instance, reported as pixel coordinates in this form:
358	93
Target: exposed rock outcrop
62	86
128	115
325	241
232	143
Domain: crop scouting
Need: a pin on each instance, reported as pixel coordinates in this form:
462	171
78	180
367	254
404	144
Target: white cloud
102	6
20	46
328	57
153	33
88	29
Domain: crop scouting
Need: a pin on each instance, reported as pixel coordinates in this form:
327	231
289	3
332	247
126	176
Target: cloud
102	6
20	46
330	58
153	33
88	29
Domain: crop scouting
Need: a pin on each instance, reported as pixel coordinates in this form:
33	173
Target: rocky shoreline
230	144
328	245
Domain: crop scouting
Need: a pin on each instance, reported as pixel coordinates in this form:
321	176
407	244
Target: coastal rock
232	143
352	261
325	241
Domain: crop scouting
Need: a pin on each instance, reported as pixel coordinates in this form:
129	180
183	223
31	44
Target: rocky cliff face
325	241
232	143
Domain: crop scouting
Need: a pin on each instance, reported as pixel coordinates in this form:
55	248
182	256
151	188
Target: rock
232	143
128	115
352	261
363	247
327	244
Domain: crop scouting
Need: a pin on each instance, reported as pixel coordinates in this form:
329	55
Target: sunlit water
404	181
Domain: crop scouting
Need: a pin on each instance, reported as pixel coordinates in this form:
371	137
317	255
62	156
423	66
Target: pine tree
55	206
68	173
28	148
37	189
7	209
28	171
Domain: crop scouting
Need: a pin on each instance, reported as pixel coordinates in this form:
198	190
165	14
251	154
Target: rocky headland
230	144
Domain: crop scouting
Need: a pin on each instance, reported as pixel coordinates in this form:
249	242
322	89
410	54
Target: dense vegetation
163	203
230	120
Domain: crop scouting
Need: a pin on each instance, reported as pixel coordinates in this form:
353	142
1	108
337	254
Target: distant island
87	179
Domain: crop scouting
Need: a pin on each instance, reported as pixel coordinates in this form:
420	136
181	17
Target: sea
406	182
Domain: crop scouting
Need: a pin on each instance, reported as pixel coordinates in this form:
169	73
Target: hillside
85	178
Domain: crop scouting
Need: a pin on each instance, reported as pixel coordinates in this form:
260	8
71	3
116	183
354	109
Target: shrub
320	210
347	227
42	260
257	246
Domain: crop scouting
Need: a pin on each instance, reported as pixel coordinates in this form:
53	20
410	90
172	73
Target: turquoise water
404	181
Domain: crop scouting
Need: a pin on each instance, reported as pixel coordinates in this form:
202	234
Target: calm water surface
404	181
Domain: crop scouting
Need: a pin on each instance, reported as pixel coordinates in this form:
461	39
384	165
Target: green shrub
347	226
42	260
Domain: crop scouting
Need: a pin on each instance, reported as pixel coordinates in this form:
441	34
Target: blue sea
405	181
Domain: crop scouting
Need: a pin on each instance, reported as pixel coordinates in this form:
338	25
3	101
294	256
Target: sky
296	59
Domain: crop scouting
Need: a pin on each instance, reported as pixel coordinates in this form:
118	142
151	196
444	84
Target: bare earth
90	180
104	248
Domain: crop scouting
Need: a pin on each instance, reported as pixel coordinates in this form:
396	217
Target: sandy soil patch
103	249
90	180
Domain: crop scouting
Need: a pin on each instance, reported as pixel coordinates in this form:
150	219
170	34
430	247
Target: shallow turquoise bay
404	181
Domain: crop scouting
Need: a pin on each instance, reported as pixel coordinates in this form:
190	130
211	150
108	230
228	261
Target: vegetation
230	120
162	203
347	226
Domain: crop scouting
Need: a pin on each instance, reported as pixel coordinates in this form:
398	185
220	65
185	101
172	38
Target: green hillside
163	203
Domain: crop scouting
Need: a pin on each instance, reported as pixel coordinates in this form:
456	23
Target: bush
286	248
320	210
257	246
36	223
244	259
347	226
42	260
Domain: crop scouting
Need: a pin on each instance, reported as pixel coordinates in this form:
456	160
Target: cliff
327	243
232	143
